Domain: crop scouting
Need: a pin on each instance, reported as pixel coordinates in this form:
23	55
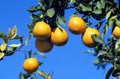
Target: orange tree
45	26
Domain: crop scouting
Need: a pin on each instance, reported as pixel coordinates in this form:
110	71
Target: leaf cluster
43	74
108	53
50	11
7	49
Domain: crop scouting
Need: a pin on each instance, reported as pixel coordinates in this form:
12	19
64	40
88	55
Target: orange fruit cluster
46	37
77	25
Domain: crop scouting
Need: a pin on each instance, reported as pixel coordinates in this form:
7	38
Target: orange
86	37
43	45
42	30
116	31
59	36
76	25
30	65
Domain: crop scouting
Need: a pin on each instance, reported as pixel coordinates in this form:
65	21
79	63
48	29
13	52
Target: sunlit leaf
12	32
113	18
14	45
51	12
41	73
72	1
1	55
3	46
108	14
49	76
96	62
10	51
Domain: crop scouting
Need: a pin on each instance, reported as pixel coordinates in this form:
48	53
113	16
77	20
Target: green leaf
118	23
108	15
41	5
27	40
40	63
4	38
111	23
117	44
60	20
21	76
97	11
1	34
105	29
99	5
33	9
103	3
3	46
30	27
12	32
41	73
35	18
97	39
51	12
1	55
85	7
34	78
96	62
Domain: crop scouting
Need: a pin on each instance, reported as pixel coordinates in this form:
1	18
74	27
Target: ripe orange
43	45
30	65
76	25
86	37
59	36
42	30
116	31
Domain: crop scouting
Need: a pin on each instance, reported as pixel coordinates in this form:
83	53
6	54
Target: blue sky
66	62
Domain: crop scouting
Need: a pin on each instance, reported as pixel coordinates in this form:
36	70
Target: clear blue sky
66	62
